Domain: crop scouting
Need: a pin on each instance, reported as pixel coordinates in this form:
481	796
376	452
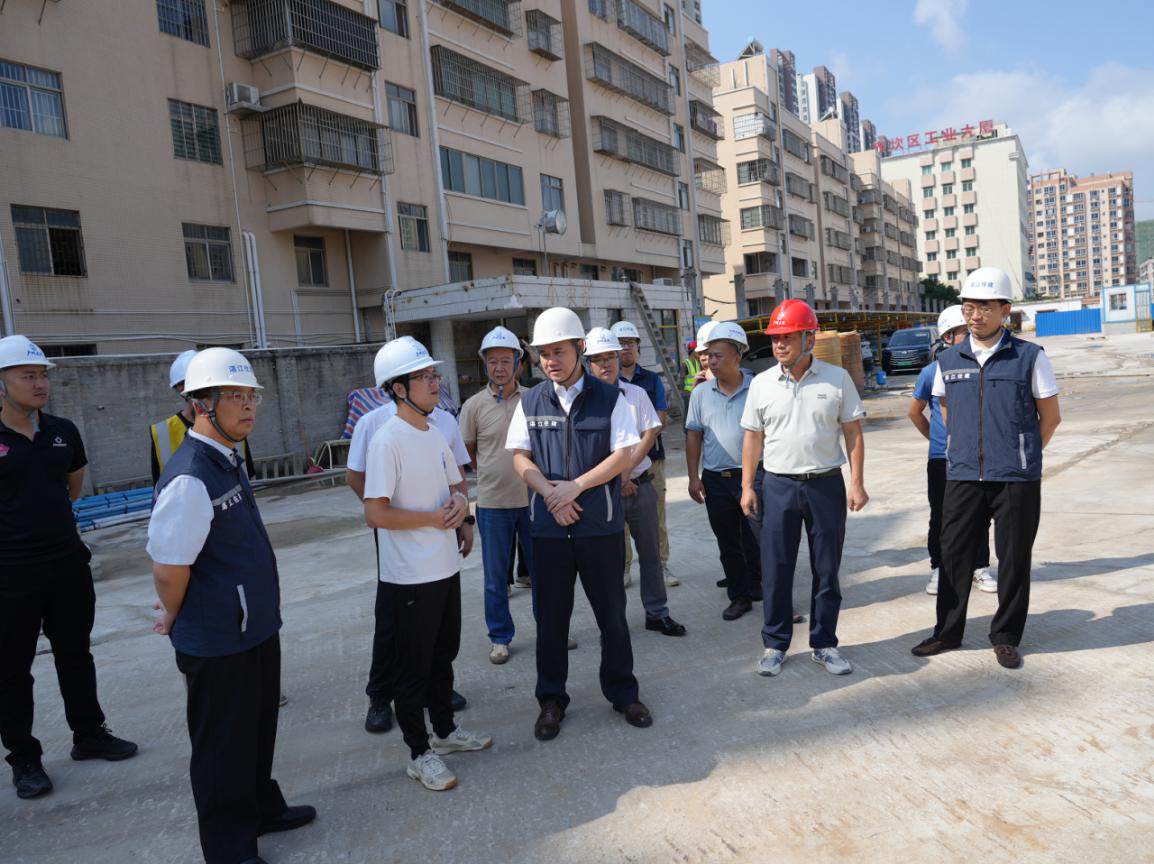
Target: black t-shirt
36	521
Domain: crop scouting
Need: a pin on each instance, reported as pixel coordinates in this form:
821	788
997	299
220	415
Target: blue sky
1074	80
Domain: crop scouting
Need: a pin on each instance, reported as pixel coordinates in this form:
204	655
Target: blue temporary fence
98	507
1068	323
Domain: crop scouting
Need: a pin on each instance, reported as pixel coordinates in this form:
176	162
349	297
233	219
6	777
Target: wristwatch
470	519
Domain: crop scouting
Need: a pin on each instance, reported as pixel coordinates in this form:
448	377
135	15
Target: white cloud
942	18
1105	123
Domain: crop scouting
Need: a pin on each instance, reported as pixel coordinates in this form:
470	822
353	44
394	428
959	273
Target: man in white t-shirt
638	495
379	717
418	516
999	402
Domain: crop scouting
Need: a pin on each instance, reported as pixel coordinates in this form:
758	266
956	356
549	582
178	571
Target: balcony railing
762	216
300	134
836	204
840	274
544	35
798	186
706	120
839	239
461	79
653	216
701	64
628	79
643	25
708	176
323	27
550	114
615	139
799	226
758	171
504	16
752	125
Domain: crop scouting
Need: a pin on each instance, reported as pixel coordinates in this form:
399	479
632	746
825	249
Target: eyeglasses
427	376
972	309
241	397
603	360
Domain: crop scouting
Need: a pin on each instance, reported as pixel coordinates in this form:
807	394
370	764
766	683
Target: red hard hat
690	345
792	316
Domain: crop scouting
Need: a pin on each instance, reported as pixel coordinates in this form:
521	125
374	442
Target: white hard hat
703	335
179	367
951	319
601	341
625	330
500	337
558	324
728	331
218	367
22	351
988	283
400	357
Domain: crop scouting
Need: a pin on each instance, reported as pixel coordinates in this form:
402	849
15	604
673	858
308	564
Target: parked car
909	350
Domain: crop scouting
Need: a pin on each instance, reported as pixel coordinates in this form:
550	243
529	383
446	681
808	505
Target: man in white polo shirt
638	496
795	417
379	717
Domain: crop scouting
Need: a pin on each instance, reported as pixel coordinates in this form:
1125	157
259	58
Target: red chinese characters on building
888	146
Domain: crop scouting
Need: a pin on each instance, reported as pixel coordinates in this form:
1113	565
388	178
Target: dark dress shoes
737	608
933	645
1008	656
458	702
666	626
636	714
380	717
101	744
291	819
548	725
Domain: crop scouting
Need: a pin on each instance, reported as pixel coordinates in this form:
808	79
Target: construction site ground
950	758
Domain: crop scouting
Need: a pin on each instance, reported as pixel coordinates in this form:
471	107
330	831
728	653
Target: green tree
935	289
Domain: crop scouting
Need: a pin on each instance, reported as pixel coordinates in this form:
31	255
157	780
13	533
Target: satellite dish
554	222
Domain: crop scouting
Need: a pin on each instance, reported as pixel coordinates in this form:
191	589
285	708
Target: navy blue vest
992	424
648	381
233	599
565	446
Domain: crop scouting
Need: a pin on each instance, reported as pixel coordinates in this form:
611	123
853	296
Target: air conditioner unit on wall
242	98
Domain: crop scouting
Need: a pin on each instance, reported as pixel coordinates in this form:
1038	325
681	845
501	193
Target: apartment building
869	135
792	200
817	95
785	65
282	173
1083	232
971	188
887	223
850	121
1146	271
1144	239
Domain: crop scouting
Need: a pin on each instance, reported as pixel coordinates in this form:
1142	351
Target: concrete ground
950	759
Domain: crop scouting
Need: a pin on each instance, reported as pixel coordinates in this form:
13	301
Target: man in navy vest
216	576
1000	406
571	438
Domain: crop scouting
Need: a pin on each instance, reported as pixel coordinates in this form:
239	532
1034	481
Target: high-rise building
1146	271
869	135
334	176
817	95
1083	232
1144	239
785	65
850	121
793	203
972	193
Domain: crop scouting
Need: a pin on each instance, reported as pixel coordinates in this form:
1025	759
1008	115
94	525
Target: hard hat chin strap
210	413
805	350
409	401
33	414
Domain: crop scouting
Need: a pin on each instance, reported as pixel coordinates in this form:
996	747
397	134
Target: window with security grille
31	99
402	109
413	220
757	171
711	230
653	216
616	207
550	114
185	19
460	267
195	132
208	252
394	16
467	82
760	262
552	193
312	268
484	178
524	267
763	216
49	241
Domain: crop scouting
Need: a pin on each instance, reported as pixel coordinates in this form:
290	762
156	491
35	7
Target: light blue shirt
719	417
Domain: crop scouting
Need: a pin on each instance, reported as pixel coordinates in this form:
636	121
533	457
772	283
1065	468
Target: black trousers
936	491
737	538
1016	510
518	565
380	685
599	561
65	607
427	635
232	718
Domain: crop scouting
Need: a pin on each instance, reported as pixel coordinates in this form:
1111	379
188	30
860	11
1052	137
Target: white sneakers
460	741
832	660
985	580
628	580
431	772
770	662
499	654
671	581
